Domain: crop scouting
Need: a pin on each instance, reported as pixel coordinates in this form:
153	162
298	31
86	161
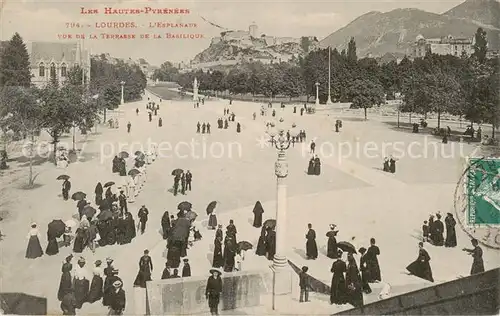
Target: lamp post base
282	283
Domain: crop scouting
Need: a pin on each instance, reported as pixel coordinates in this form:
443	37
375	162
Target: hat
98	262
185	260
68	258
305	269
215	270
81	260
109	260
33	224
449	214
117	283
115	271
362	250
332	226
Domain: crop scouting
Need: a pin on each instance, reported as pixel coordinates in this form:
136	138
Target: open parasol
245	245
105	215
346	246
191	215
133	172
184	206
108	184
77	196
177	171
211	206
63	177
123	154
56	228
89	211
139	153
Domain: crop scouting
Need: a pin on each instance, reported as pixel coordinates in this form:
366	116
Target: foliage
365	93
480	45
167	72
15	69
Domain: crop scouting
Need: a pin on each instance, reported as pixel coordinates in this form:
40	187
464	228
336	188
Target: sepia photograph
233	157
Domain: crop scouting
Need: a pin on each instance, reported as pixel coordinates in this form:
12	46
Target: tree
480	45
364	94
167	72
15	69
305	43
351	51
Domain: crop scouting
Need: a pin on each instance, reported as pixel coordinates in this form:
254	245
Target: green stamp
483	191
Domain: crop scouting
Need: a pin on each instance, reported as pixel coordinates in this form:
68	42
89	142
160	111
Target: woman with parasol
332	249
55	229
65	285
213	291
34	250
212	217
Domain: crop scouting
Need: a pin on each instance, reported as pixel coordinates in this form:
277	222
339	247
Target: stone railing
186	296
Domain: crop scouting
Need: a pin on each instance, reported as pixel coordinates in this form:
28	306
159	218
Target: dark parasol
177	171
56	228
108	184
105	215
191	215
89	211
184	206
245	245
133	172
63	177
123	154
346	246
77	196
211	206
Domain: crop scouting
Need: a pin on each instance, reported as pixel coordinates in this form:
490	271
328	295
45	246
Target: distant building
449	45
52	61
390	57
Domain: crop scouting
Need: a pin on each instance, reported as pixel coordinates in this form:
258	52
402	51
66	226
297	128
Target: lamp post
329	100
281	275
122	101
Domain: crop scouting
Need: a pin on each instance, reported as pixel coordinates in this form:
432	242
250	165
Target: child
304	285
197	235
425	231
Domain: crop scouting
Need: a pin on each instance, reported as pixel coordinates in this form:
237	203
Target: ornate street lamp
281	275
122	101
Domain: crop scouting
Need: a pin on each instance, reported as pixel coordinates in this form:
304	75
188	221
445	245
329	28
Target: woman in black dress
421	267
331	249
392	165
257	211
364	271
311	246
338	294
354	284
96	286
145	269
218	259
261	244
451	236
34	249
52	246
270	243
66	283
165	224
213	291
310	168
98	193
317	166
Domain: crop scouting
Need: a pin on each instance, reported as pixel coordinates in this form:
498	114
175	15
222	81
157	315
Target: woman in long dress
477	255
451	236
212	220
96	286
338	294
317	166
354	284
34	250
310	168
331	249
98	193
257	211
81	239
364	271
165	224
66	283
81	283
52	247
261	244
311	246
421	267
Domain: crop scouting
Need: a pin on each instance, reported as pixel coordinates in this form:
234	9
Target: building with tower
447	45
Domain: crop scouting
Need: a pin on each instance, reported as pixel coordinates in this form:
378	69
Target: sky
49	20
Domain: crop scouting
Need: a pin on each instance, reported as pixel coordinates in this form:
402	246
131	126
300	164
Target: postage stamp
483	191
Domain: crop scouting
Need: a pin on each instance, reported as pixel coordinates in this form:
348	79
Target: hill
378	33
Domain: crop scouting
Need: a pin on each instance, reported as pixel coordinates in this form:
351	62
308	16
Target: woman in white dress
34	249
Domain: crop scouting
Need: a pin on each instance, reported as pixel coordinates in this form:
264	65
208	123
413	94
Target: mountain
378	33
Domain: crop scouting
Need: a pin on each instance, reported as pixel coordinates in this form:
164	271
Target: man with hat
186	269
213	291
122	200
331	250
117	299
143	218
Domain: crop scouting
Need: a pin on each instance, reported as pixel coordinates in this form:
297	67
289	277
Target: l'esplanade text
144	10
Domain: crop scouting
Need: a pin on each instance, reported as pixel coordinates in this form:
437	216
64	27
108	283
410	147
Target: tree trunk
439	120
30	176
73	138
365	115
409	117
104	116
54	142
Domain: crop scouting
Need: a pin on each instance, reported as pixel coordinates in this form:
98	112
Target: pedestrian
317	166
238	127
66	186
68	303
257	211
338	292
311	246
34	249
304	285
98	193
186	269
81	283
160	122
122	200
425	232
150	115
96	286
52	246
117	125
218	259
143	218
372	262
392	164
66	283
129	126
189	178
183	183
145	269
166	272
208	128
312	147
165	225
477	255
353	282
93	234
213	291
451	236
332	249
270	243
117	299
364	271
203	128
177	178
198	126
137	111
421	267
438	231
